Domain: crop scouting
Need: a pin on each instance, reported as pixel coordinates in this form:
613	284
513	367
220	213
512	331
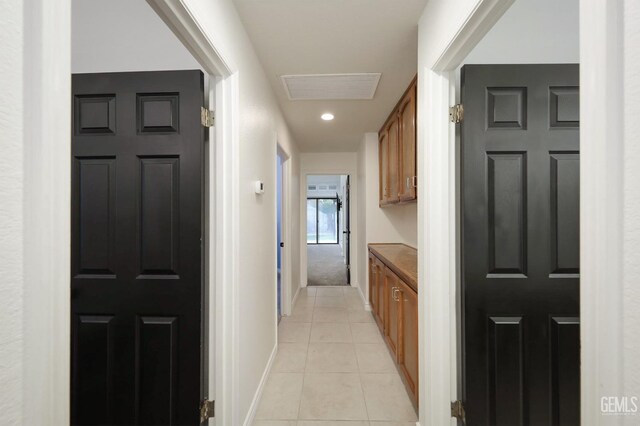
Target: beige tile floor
332	367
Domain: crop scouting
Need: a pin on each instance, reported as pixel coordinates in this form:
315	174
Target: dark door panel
520	254
347	228
136	264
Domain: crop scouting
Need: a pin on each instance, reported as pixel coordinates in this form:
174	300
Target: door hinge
456	113
207	117
457	411
207	410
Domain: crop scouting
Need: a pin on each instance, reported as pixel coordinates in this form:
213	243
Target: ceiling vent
331	86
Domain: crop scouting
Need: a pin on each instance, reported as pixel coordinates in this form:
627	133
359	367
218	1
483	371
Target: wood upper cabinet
383	159
394	163
397	151
407	146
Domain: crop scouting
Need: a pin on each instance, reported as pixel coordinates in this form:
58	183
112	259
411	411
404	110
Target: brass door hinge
456	113
207	410
457	411
207	117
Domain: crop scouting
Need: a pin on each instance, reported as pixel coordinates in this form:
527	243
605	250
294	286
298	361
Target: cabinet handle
408	183
393	294
415	181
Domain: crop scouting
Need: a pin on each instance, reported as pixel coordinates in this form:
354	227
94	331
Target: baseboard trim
253	408
365	302
295	298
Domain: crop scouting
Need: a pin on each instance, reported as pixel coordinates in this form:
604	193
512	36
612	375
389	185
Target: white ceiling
333	37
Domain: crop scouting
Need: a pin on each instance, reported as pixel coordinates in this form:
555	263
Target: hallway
326	265
332	367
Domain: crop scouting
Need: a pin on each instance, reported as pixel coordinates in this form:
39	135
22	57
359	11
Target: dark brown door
136	265
520	207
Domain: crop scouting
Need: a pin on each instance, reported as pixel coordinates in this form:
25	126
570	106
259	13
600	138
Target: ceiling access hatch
307	87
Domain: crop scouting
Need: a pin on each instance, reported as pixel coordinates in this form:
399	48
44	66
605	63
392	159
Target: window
322	221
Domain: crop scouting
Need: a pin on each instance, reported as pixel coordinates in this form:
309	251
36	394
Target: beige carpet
325	265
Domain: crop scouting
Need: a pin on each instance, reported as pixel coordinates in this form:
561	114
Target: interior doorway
328	231
279	239
140	220
519	206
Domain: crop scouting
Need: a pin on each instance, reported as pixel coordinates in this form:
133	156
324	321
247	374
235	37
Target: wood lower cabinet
376	283
395	308
408	325
392	310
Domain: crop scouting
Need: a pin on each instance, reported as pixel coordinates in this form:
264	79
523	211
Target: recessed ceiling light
327	116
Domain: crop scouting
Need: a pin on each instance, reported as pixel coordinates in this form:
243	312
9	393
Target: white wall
391	224
631	213
34	200
11	211
612	309
328	163
261	126
532	31
439	29
296	220
123	35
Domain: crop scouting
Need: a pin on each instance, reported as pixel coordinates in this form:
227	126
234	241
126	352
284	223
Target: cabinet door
382	302
372	283
408	354
394	169
375	284
383	164
407	122
392	310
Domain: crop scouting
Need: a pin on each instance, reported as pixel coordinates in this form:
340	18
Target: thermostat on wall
259	187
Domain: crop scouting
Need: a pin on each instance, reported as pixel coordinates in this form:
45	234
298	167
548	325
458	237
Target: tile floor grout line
304	373
366	407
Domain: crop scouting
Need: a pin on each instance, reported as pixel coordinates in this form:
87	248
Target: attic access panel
360	86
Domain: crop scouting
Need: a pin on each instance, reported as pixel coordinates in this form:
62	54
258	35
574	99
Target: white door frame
353	191
47	56
286	232
601	184
223	299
